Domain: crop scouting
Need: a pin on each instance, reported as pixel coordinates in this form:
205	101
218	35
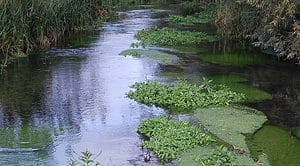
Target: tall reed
31	24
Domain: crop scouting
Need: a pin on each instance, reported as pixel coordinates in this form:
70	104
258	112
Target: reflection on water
73	99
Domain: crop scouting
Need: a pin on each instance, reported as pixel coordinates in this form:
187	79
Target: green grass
183	97
156	55
169	138
172	37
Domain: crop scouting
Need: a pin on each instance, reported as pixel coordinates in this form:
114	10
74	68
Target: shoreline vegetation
27	26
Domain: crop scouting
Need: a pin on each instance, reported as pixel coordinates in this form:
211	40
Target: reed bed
35	24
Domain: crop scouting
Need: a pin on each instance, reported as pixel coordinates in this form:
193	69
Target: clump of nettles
220	156
184	96
167	138
172	37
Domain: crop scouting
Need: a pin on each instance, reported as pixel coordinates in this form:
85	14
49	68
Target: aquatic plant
237	59
241	85
153	54
277	144
220	156
191	20
86	158
231	123
183	97
167	138
172	37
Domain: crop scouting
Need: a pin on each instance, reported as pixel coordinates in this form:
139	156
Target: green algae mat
234	82
230	124
281	147
152	54
239	84
236	59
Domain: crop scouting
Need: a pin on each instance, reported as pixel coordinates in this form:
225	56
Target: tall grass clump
32	24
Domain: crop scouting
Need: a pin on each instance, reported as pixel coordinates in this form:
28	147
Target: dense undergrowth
271	25
194	13
183	97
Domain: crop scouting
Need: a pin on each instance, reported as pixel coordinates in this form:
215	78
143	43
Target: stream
72	98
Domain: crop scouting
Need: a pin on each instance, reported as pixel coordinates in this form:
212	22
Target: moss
236	59
231	123
278	144
156	55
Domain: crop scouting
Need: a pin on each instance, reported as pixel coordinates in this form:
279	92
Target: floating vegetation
220	156
156	55
172	37
203	154
239	84
280	147
231	123
191	20
234	82
169	138
183	97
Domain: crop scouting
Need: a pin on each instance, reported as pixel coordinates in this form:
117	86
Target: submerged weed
169	138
